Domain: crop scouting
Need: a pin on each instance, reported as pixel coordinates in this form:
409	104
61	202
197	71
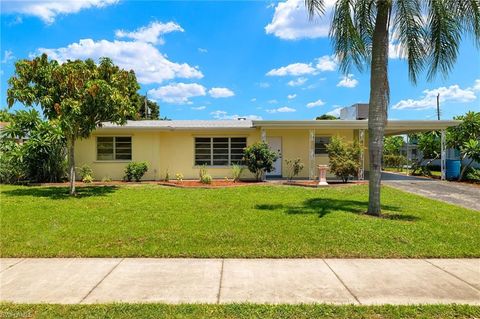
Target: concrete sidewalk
338	281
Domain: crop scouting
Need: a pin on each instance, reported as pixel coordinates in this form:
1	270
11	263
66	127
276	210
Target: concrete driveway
460	194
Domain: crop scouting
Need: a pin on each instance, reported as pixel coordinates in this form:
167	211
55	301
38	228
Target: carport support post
443	155
311	153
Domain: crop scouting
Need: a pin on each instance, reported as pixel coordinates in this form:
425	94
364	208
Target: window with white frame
321	144
114	148
219	151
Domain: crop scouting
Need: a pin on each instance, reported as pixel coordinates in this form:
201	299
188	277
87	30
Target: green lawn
250	221
236	311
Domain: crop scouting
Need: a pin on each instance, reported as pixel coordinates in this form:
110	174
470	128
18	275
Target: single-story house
184	146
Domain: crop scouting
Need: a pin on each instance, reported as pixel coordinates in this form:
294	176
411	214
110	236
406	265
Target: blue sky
224	59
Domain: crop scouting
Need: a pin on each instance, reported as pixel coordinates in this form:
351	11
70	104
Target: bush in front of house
31	150
86	173
294	167
237	171
344	158
205	178
135	171
259	159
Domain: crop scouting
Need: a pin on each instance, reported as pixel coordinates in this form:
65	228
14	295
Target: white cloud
326	63
290	21
198	108
47	10
7	56
178	93
263	85
220	92
298	82
253	99
316	103
284	109
476	85
273	101
202	50
335	112
294	69
348	81
223	115
322	64
291	96
151	33
149	64
453	93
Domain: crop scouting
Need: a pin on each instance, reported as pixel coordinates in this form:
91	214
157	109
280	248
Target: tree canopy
78	95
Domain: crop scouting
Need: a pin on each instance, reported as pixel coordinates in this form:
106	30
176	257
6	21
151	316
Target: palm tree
428	33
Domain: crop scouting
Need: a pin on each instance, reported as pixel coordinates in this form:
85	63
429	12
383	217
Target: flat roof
392	127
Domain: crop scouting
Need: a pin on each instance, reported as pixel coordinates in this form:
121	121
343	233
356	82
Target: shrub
237	171
12	169
85	171
167	176
205	178
344	158
473	174
179	177
40	158
294	167
394	160
259	159
106	179
87	179
135	171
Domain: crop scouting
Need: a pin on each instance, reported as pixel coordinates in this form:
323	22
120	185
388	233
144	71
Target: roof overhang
393	127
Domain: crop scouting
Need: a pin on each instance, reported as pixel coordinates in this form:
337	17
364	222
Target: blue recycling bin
452	169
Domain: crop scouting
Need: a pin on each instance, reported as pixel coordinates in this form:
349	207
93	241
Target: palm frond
443	35
408	29
347	41
364	19
468	11
315	7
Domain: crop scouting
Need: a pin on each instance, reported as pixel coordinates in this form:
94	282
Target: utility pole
438	106
147	110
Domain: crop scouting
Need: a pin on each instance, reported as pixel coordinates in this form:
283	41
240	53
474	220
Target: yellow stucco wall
174	151
295	144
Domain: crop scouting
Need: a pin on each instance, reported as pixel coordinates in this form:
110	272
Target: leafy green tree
326	117
361	31
79	95
39	157
466	138
392	145
259	158
344	158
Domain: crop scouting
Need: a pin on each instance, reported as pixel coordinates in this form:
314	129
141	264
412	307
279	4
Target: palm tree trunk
71	164
377	113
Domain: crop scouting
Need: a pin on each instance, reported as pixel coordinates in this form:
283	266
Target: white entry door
275	144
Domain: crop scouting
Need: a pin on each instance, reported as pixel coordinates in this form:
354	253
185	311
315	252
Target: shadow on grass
324	206
61	192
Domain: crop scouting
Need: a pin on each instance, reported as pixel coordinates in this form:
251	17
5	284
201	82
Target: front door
275	144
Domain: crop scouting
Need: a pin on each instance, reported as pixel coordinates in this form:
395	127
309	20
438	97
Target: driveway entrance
464	195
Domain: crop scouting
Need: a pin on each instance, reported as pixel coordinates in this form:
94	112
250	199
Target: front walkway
339	281
460	194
